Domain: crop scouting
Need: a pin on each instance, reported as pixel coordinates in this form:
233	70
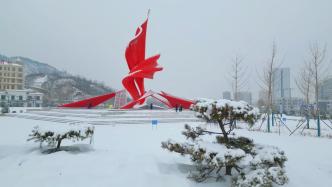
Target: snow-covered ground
294	125
127	151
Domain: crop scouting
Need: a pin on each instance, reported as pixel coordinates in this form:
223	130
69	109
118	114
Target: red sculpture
91	102
140	68
147	94
176	101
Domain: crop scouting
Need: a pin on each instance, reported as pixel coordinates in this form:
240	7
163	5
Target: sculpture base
168	100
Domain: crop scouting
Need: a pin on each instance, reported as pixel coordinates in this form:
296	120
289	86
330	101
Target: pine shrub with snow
248	164
54	138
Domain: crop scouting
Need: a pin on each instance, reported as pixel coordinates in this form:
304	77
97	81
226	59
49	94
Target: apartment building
11	76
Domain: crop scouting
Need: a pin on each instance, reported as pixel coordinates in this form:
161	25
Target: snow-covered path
108	117
130	154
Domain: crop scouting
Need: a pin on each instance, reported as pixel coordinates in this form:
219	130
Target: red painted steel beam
91	102
177	101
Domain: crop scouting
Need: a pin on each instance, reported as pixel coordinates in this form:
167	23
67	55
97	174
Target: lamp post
8	102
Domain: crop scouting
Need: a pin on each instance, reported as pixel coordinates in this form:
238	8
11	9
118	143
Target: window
13	97
13	87
13	69
3	97
37	98
13	80
29	97
13	74
20	98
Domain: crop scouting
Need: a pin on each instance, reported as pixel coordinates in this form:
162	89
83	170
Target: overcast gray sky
196	39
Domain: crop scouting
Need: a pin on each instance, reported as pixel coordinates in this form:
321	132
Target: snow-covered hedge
225	113
248	164
54	137
225	110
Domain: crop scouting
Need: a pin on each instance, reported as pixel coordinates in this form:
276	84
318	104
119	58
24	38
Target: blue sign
155	122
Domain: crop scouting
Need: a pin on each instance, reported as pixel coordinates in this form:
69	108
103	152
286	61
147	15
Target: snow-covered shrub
247	163
54	138
225	113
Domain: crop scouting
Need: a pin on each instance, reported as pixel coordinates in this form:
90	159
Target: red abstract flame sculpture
140	68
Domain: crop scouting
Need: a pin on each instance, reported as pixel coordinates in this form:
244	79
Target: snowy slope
39	81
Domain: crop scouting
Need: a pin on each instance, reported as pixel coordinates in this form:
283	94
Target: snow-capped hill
58	86
60	89
39	81
35	67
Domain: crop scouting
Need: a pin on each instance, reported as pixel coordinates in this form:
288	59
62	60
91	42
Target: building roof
9	63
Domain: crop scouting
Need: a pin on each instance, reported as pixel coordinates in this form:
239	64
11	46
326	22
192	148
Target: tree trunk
228	170
58	145
222	127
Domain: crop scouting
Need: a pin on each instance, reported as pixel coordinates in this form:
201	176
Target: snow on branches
54	137
247	163
225	112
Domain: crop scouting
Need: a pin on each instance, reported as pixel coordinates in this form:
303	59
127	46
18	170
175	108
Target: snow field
131	154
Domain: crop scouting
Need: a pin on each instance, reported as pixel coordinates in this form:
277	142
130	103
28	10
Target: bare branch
316	60
304	81
238	75
268	73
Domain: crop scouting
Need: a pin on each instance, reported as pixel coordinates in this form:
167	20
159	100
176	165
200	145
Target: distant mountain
58	86
32	66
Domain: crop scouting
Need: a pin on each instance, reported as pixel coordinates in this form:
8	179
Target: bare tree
304	81
316	59
268	73
238	76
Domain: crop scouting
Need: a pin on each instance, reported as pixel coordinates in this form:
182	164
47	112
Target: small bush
54	139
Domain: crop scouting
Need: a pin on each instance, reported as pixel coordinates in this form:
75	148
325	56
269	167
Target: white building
281	92
325	89
21	98
244	96
289	106
226	95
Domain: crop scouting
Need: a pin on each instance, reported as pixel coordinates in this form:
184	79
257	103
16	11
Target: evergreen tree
247	163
